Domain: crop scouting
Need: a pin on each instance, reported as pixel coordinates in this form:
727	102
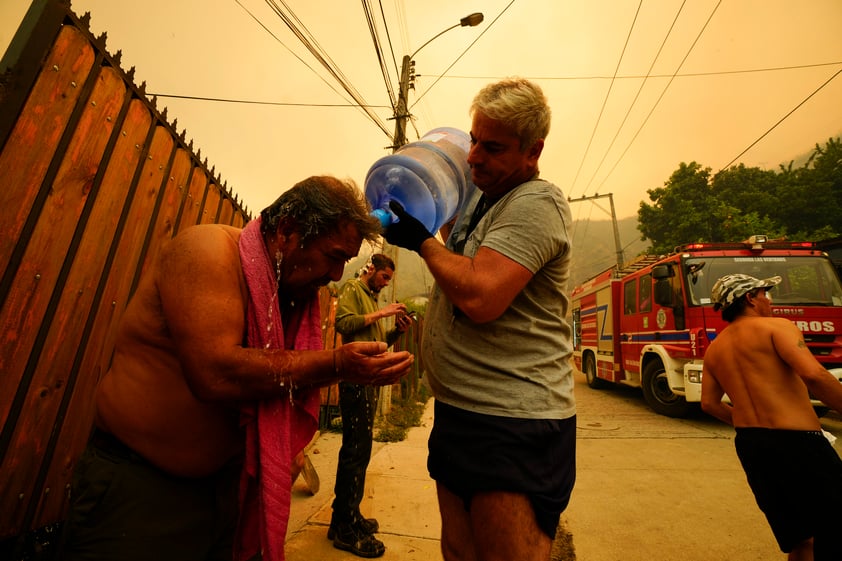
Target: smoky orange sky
636	87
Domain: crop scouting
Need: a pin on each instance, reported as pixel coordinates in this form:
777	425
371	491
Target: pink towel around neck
276	429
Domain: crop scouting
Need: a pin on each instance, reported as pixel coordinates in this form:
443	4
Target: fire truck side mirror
663	293
661	272
663	290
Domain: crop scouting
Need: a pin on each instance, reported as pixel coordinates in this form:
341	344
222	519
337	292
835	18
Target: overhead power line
391	51
289	18
478	37
663	93
782	119
607	95
352	104
639	76
276	38
358	103
636	96
378	51
257	102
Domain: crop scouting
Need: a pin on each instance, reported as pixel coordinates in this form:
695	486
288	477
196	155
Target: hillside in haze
593	252
594	249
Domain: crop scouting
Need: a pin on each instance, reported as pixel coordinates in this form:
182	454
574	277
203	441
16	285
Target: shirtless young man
160	478
765	367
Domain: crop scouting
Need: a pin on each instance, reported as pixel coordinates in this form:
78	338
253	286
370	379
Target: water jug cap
383	215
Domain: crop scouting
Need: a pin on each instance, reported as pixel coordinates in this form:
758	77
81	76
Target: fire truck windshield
805	279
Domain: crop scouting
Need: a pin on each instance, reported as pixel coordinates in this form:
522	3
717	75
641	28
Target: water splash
279	258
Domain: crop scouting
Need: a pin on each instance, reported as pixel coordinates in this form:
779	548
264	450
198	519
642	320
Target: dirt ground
563	549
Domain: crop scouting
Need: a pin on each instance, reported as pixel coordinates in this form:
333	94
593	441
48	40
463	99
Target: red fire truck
648	324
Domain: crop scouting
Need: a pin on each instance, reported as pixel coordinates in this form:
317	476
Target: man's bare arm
712	394
482	287
791	347
203	294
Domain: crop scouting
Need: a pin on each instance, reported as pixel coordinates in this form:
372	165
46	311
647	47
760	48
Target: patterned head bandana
730	287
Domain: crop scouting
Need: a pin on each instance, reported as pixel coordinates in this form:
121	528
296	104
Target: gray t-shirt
519	364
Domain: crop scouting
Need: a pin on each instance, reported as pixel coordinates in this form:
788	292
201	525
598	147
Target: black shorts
472	453
796	478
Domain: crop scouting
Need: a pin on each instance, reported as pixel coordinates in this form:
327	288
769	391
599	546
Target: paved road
652	488
648	488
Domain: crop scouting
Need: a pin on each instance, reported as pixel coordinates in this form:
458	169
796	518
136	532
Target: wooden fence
92	180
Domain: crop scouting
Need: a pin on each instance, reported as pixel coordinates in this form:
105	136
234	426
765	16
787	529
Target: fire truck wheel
590	374
657	392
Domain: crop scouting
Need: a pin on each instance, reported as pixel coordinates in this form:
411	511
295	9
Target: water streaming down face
279	258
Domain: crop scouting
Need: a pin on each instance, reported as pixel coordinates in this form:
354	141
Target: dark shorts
472	453
123	507
796	478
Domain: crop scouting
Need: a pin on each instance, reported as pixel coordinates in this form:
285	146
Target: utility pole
620	258
407	82
401	115
402	110
408	79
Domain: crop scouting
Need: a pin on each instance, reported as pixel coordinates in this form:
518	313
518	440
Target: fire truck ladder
638	264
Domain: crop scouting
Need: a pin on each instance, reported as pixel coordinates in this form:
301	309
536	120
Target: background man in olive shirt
358	319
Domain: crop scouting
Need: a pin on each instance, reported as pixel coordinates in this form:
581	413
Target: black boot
350	537
364	525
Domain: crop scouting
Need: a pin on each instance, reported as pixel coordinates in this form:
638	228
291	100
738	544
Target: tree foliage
796	203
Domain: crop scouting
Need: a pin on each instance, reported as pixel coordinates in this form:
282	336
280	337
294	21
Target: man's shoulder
720	340
351	286
538	196
213	242
767	322
538	186
205	233
751	327
208	229
351	283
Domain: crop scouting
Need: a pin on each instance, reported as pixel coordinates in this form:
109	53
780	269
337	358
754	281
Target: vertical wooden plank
330	339
193	201
174	191
32	144
96	356
32	288
226	213
130	250
210	210
74	312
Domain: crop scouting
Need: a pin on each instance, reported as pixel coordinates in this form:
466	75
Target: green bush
404	414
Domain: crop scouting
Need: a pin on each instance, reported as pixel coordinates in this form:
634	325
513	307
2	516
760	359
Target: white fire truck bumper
693	382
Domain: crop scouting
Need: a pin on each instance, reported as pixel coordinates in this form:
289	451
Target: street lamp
401	111
401	115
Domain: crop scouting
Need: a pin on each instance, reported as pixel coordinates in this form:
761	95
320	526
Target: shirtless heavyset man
764	366
169	441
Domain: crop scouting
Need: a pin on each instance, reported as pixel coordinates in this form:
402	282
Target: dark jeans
357	405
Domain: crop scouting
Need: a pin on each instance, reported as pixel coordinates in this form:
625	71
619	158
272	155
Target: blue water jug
430	178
